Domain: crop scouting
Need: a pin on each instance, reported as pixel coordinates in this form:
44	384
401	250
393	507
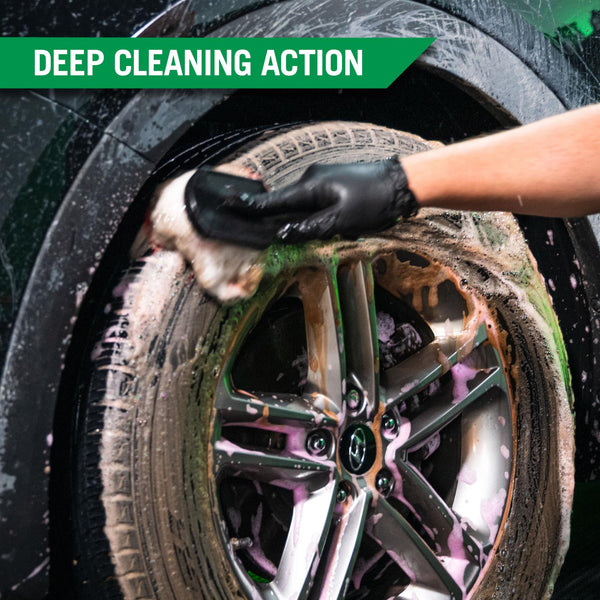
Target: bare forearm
548	168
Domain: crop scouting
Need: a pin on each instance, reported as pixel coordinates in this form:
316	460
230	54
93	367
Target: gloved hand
346	199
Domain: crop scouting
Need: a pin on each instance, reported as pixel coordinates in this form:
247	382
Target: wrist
404	203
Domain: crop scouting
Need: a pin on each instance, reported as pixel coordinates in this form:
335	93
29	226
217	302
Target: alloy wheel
385	468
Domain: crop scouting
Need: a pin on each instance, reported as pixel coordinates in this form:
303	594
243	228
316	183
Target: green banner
96	63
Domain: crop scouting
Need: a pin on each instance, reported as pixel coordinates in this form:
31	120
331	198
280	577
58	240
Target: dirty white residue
455	544
491	510
573	281
461	375
33	573
456	567
80	292
467	475
256	550
386	327
7	482
8	269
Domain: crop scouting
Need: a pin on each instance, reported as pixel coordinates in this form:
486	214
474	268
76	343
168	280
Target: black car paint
83	158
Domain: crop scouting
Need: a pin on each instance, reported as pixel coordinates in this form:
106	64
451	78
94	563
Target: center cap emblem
357	449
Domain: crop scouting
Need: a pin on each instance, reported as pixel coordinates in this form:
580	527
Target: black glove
345	199
349	200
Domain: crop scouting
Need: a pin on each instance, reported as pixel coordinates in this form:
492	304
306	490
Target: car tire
155	486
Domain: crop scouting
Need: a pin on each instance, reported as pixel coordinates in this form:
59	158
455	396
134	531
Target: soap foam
227	271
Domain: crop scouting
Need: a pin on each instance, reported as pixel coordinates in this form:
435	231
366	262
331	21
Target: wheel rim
387	471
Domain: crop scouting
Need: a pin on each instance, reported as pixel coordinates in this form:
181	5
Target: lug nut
318	442
343	493
353	399
384	482
389	424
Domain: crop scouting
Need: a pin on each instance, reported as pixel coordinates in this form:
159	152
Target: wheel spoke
340	560
237	406
264	466
426	506
324	335
425	366
402	543
308	532
436	517
445	407
360	330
